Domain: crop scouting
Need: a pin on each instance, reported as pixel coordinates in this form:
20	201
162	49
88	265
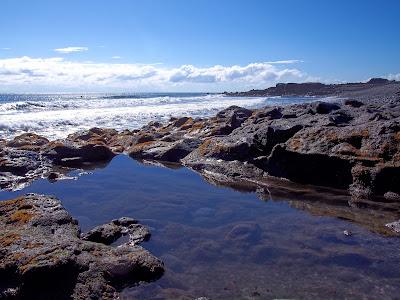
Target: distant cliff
314	88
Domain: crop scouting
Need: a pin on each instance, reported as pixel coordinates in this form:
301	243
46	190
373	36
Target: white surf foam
56	116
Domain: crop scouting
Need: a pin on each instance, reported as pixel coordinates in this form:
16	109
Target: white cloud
59	73
394	77
116	57
68	50
5	48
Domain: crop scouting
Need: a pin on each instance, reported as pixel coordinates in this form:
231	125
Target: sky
194	45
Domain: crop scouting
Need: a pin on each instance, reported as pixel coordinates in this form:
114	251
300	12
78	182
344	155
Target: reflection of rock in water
320	201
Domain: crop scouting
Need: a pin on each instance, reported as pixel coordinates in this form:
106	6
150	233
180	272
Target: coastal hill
318	89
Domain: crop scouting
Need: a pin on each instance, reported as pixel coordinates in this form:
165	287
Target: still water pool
220	243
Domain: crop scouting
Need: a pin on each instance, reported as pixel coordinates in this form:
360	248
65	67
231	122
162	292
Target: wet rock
42	255
52	176
110	232
19	167
124	221
19	162
72	154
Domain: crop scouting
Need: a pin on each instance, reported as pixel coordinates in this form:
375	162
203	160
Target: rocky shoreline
351	144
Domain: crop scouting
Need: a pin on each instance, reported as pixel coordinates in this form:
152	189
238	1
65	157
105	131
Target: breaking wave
56	116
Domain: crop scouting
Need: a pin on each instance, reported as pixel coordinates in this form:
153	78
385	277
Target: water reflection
223	244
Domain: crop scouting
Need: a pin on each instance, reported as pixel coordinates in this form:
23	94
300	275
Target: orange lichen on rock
141	146
203	148
21	216
9	238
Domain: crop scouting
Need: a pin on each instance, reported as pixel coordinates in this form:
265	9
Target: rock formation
43	253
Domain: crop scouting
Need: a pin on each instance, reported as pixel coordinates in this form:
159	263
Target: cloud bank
59	73
394	77
68	50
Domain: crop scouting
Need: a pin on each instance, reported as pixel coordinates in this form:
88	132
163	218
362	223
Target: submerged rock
110	232
43	256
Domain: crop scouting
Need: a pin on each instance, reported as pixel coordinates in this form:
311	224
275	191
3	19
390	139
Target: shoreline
351	140
351	146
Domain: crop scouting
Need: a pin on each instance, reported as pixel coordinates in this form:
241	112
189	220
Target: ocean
57	115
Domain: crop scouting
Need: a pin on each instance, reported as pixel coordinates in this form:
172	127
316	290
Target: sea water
57	115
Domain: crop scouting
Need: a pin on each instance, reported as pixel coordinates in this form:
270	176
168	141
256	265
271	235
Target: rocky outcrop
30	156
43	256
346	144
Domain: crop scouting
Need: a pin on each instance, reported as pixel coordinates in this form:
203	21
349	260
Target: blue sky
194	45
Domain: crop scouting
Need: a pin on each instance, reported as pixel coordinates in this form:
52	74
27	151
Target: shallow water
223	244
57	115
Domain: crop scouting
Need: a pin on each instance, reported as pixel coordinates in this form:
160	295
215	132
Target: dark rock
231	118
181	121
353	103
53	176
73	154
110	232
105	234
42	255
268	136
272	114
339	118
164	151
387	179
325	107
19	162
19	167
124	221
316	169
